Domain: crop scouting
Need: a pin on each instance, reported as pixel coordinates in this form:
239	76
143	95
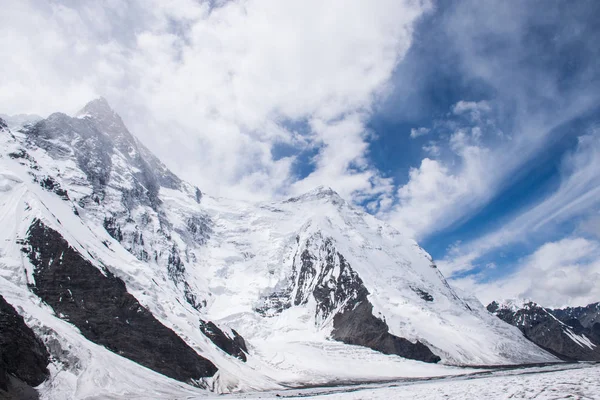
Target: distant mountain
139	284
571	333
20	120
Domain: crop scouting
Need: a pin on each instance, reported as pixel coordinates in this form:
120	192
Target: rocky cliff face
23	357
560	331
98	304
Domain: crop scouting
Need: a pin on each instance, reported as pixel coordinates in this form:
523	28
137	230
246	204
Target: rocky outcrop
357	325
234	345
98	304
23	356
567	339
325	275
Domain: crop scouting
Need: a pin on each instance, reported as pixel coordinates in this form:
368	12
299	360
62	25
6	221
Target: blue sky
472	126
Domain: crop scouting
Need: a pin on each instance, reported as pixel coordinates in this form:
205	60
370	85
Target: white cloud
432	149
475	109
211	89
557	274
417	132
438	191
577	195
432	188
481	147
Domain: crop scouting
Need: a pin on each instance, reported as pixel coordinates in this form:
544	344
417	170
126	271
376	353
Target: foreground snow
578	381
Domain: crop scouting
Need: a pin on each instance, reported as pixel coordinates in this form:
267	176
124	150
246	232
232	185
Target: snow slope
278	273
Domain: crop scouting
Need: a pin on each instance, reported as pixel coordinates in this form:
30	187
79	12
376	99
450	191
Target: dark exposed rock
51	185
175	266
275	303
423	294
191	298
566	339
113	228
101	308
329	290
23	356
19	154
358	326
18	390
587	316
234	346
198	229
3	124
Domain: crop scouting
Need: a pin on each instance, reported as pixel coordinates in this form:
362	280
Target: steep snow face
264	282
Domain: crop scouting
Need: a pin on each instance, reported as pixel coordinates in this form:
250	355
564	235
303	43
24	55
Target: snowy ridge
277	273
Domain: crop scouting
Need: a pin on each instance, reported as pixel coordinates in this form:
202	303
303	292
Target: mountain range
118	279
570	333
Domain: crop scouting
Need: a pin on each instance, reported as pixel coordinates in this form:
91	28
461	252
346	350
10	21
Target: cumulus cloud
440	189
557	274
431	189
211	87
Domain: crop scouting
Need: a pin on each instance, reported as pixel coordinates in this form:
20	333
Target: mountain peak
323	191
98	108
320	192
514	305
15	122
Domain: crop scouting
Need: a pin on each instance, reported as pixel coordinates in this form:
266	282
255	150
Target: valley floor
572	381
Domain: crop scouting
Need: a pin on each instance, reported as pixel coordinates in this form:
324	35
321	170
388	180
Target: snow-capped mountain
571	333
138	284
